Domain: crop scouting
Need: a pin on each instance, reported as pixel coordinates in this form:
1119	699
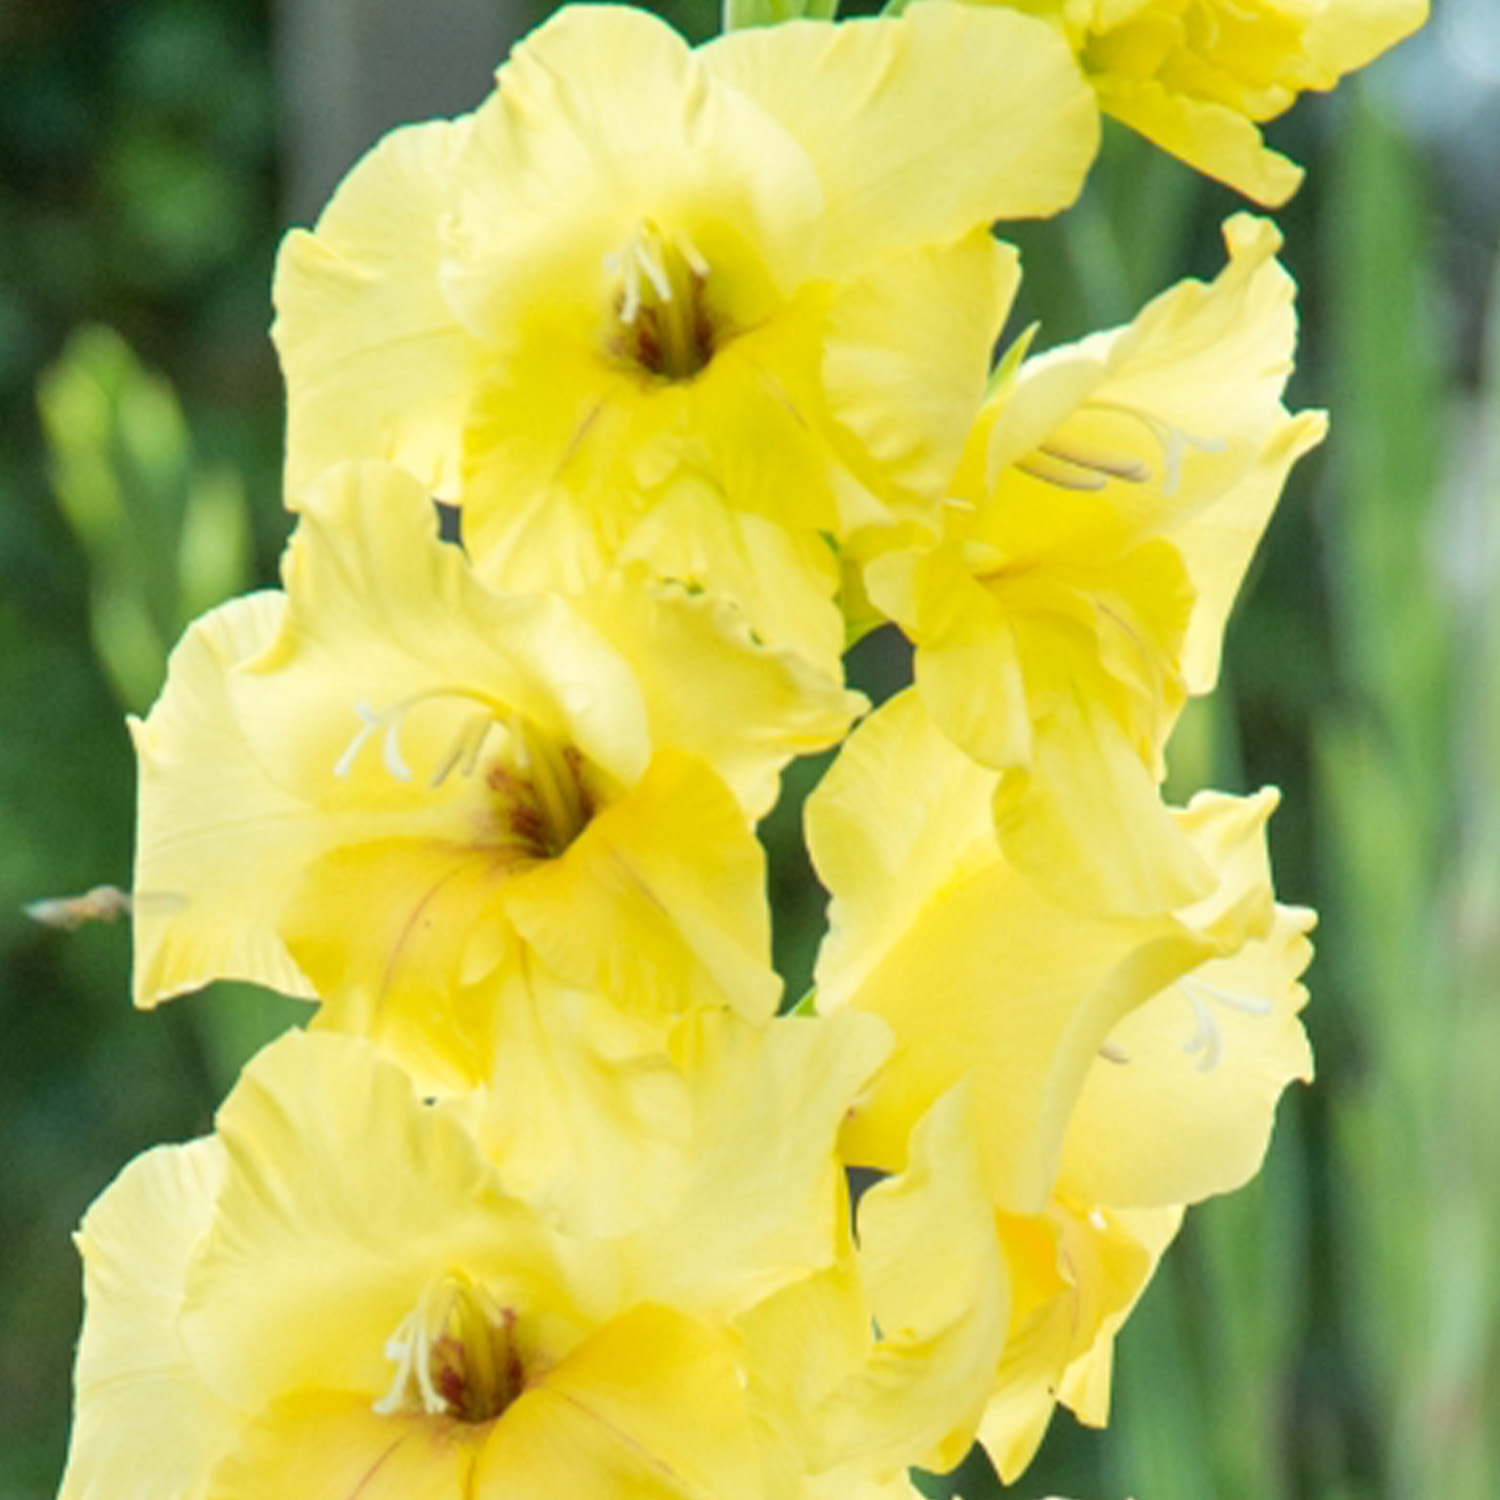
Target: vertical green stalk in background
1410	770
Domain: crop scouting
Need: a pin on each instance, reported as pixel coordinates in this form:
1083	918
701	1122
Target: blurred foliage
1332	1332
137	190
163	538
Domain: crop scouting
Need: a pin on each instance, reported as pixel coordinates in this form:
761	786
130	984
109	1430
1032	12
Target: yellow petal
968	663
1198	341
584	1110
861	1487
1217	544
901	815
982	116
1041	1339
908	350
345	1194
1207	135
660	902
377	366
937	1293
649	1408
714	1202
884	1359
1180	1105
1085	1385
759	1192
1086	821
751	707
145	1423
571	449
801	1345
784	580
397	935
336	1445
198	915
760	414
1031	406
1347	34
607	126
1205	365
1075	1277
1184	396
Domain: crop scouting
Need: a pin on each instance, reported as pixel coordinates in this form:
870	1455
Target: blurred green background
1333	1332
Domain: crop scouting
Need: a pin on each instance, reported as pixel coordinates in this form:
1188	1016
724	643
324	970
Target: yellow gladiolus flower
390	782
976	971
700	308
1122	1067
1197	77
342	1292
1110	499
1177	1106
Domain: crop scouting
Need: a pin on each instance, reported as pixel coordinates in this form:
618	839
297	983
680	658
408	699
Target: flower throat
663	322
455	1355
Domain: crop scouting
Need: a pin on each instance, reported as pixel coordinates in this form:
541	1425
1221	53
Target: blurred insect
105	903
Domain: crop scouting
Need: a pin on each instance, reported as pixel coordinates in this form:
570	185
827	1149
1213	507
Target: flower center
543	794
455	1355
662	318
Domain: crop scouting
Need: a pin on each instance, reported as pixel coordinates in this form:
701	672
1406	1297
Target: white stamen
464	756
1207	1038
1246	1005
650	263
451	1310
1112	1052
370	721
642	260
697	262
410	1347
390	747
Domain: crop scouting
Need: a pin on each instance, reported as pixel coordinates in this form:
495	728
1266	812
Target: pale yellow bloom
1177	1106
976	971
1122	1067
391	783
1197	77
1110	499
342	1292
700	308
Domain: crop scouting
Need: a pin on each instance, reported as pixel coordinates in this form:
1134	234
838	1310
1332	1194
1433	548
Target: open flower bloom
702	308
1110	499
978	973
391	783
340	1292
1121	1067
1196	77
1177	1106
